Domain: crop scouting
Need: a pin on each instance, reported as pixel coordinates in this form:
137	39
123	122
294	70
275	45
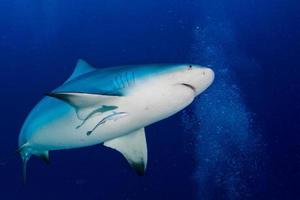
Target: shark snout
202	78
210	75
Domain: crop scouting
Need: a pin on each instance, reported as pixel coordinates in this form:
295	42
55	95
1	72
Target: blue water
238	140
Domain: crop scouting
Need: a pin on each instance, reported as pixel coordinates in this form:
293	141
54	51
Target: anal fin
133	147
44	156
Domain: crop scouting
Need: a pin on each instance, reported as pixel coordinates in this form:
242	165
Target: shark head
170	88
191	77
194	77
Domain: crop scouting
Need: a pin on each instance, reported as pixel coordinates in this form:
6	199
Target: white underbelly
65	134
142	110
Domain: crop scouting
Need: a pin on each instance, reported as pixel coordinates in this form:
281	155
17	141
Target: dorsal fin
82	67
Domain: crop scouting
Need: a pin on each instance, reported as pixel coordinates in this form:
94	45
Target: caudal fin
25	155
25	161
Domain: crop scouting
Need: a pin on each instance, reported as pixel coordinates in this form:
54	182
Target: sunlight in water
226	148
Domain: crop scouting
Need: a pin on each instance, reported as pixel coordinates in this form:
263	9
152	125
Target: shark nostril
203	73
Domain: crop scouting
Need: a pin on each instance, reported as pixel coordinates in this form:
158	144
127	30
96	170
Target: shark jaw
110	107
189	86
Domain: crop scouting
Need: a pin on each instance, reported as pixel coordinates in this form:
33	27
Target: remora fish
102	109
149	93
114	116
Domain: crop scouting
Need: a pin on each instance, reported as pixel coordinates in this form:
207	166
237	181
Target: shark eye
190	67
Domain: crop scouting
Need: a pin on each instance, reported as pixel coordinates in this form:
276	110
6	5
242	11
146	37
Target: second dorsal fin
82	67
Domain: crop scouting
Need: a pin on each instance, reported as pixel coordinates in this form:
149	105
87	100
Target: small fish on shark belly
100	110
149	93
112	117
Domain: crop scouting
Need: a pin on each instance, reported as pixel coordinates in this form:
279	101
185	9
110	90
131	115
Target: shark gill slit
123	81
120	84
133	77
126	80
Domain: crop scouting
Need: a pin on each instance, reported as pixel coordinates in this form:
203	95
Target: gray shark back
115	81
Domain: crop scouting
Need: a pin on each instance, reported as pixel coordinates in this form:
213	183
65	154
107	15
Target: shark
115	104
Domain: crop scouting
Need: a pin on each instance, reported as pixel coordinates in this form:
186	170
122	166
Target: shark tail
26	152
25	155
25	161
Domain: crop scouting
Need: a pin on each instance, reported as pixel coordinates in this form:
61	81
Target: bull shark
92	99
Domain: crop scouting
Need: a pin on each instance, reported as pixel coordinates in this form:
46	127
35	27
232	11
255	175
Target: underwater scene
150	99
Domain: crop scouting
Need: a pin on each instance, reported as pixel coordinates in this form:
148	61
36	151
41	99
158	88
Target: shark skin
146	93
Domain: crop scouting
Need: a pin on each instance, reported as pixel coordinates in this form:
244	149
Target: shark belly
144	107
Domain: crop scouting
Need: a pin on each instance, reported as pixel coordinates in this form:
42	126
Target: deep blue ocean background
238	140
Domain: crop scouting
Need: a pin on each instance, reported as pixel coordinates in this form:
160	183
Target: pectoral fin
85	103
133	147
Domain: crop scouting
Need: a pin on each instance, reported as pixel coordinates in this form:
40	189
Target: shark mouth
189	86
